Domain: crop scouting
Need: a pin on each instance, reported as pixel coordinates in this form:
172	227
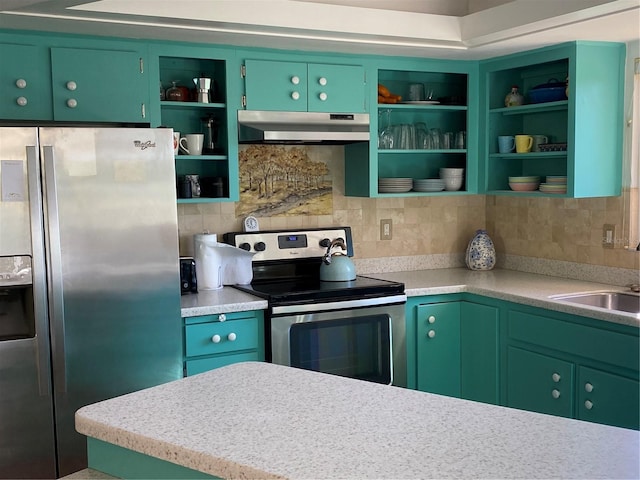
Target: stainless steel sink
620	301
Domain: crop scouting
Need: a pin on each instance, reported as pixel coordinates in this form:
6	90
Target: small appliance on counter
188	280
219	264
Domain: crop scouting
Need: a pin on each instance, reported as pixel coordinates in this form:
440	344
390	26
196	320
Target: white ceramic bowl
451	184
451	172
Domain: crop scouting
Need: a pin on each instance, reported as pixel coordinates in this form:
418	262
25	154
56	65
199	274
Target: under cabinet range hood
302	127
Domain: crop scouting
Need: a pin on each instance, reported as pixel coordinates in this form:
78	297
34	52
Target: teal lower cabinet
213	341
456	347
438	348
539	383
571	366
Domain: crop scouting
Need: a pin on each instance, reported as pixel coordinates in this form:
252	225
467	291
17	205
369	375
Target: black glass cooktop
305	290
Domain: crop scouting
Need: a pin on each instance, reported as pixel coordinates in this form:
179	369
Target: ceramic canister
481	254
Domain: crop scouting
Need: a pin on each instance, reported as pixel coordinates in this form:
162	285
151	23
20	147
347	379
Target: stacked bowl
453	178
555	184
524	184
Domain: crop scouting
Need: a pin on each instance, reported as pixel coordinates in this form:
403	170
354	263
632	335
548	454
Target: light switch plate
608	235
386	229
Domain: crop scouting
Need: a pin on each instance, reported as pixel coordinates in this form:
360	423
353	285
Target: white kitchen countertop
520	287
259	420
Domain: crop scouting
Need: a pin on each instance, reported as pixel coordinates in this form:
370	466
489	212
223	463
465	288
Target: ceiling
422	28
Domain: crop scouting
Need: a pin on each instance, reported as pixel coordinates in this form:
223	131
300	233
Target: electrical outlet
608	235
386	230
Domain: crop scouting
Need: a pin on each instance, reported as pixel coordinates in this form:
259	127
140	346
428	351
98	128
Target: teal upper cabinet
25	86
98	85
583	129
414	139
301	87
72	79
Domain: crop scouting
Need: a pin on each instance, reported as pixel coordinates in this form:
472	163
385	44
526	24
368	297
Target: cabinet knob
322	96
71	85
72	103
231	337
588	387
295	95
556	377
588	404
555	393
216	338
21	83
322	81
22	101
222	317
431	319
431	333
295	80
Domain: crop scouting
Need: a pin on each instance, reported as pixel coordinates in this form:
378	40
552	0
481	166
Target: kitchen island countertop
259	420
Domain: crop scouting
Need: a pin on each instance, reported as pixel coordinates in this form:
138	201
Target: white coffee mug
176	143
192	144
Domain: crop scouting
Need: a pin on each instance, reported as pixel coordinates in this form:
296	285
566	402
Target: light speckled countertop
520	287
259	420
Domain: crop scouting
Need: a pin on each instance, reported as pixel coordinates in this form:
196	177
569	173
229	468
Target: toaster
188	281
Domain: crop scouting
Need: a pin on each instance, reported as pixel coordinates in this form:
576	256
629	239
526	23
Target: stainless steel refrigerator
89	283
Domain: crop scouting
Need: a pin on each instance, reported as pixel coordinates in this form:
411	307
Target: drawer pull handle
588	387
555	393
22	101
71	85
295	95
72	103
322	81
323	96
431	319
295	80
431	333
588	404
21	83
231	337
556	377
216	338
222	317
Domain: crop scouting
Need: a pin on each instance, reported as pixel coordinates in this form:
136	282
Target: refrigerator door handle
39	279
54	257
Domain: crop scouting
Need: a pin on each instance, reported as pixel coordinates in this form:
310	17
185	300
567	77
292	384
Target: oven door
353	342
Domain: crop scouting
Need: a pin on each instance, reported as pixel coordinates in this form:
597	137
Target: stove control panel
290	244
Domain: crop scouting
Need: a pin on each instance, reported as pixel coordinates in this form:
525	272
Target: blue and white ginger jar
481	254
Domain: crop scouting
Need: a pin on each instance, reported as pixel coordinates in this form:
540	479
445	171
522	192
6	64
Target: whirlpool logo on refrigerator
144	145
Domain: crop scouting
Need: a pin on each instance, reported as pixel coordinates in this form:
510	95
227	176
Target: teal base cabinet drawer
213	341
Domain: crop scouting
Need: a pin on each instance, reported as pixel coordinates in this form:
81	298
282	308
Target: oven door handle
340	305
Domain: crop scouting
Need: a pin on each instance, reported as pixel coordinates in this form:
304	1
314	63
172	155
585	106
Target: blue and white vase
481	254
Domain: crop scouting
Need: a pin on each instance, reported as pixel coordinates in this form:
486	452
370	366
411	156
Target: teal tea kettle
337	266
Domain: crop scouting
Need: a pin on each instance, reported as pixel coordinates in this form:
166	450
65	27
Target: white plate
421	102
428	189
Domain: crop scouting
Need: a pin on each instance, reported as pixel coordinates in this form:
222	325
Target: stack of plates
524	184
428	185
555	184
394	185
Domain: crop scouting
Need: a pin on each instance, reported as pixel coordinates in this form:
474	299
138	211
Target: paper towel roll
208	261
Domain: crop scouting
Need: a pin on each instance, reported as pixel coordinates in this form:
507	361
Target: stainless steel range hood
302	127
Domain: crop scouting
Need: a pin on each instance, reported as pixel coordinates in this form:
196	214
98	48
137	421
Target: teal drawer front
221	317
593	343
221	337
200	365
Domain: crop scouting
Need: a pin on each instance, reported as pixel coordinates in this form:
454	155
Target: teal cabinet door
336	88
301	87
273	85
98	85
539	383
607	398
25	83
479	352
438	348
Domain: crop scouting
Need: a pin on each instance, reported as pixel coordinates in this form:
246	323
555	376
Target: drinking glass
436	138
386	139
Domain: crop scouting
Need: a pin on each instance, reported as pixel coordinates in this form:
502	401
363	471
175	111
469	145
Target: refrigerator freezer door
114	284
27	447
